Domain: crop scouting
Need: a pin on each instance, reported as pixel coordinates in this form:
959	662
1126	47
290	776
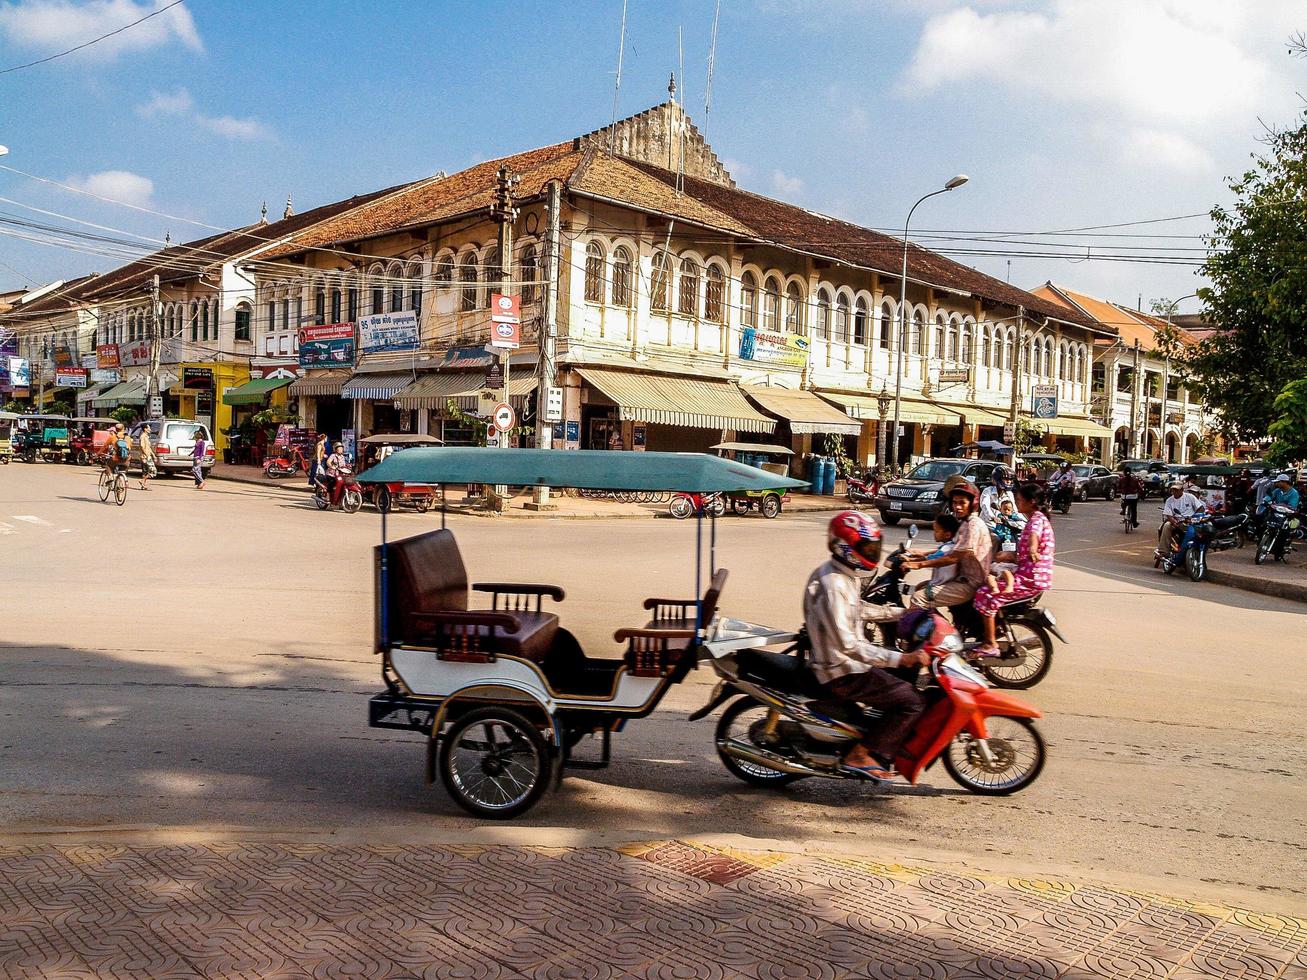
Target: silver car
174	443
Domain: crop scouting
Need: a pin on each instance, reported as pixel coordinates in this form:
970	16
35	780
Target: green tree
1258	293
1289	430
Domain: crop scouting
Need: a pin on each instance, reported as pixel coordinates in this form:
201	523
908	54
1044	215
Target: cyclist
117	452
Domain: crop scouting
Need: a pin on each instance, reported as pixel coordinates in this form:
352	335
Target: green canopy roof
586	469
254	391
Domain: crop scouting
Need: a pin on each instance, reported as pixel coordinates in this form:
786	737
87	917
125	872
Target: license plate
895	505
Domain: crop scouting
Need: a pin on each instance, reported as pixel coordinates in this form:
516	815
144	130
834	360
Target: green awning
586	469
254	391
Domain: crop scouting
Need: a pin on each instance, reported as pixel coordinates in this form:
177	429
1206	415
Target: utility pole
1136	448
546	374
152	388
1016	366
503	213
40	374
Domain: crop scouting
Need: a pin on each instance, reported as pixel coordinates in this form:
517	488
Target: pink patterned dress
1031	576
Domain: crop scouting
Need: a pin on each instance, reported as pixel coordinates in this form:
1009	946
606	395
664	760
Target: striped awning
663	399
380	386
95	391
975	415
434	391
803	410
1075	427
910	409
319	384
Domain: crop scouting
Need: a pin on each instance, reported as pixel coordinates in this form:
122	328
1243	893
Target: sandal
986	651
873	771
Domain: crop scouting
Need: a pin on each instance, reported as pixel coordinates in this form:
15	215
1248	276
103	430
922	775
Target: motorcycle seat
780	671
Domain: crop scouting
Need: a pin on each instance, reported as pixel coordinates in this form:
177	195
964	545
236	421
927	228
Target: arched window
714	293
1007	350
748	300
376	274
687	297
195	322
335	304
621	276
467	277
491	274
918	332
527	272
939	336
860	322
242	327
771	305
985	348
952	340
794	321
966	351
594	273
444	272
213	317
1025	361
841	319
887	325
823	314
660	283
1084	363
285	312
415	288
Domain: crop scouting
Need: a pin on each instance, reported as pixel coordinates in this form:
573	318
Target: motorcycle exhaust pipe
761	757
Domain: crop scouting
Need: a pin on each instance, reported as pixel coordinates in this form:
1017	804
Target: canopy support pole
384	575
444	508
712	543
698	569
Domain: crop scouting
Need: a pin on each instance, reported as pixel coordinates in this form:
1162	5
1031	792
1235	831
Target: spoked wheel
716	506
351	500
1264	547
771	505
120	489
494	763
320	498
383	499
740	507
1020	639
743	722
680	508
1194	564
1009	761
1129	525
106	484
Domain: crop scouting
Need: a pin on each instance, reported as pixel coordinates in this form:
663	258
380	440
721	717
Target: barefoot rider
850	666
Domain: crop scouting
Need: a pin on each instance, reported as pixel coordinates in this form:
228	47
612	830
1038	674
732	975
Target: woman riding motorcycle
1034	567
849	666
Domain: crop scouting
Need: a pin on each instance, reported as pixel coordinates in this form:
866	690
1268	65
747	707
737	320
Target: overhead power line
96	40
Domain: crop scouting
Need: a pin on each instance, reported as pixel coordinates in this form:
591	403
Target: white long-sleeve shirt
991	503
832	611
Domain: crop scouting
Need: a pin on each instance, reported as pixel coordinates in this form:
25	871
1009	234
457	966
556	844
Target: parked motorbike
277	467
1202	533
346	493
682	505
785	726
1281	525
1023	630
863	490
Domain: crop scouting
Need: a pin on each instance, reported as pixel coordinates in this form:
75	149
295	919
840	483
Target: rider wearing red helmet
843	659
973	550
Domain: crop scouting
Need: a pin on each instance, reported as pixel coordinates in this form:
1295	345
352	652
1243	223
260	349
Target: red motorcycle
286	465
863	491
684	504
344	493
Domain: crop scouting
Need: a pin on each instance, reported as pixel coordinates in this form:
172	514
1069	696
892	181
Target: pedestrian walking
319	459
149	468
197	454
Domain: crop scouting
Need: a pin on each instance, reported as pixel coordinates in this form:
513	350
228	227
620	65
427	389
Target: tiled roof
1131	326
179	262
57	300
439	198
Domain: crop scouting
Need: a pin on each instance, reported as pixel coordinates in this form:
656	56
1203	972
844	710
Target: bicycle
115	483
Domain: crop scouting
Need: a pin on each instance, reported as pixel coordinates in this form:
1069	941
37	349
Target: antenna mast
617	86
712	61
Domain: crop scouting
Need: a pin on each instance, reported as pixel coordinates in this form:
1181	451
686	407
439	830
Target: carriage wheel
383	499
740	506
494	763
771	505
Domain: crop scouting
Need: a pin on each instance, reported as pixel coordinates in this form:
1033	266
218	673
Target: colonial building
679	309
1136	394
52	329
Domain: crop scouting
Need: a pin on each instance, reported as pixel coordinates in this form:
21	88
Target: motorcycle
1062	495
1023	630
785	726
682	505
863	491
1203	532
1281	525
277	467
345	494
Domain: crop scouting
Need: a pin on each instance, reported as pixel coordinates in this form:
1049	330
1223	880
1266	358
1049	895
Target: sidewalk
565	507
655	909
1235	568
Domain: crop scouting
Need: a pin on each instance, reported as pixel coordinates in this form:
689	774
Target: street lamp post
953	184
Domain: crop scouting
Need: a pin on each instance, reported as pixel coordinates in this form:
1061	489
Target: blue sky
1065	113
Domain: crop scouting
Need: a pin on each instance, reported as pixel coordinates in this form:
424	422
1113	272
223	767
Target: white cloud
737	168
1157	149
180	103
118	185
784	184
53	25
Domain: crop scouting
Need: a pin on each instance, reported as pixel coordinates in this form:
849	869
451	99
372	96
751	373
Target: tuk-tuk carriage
767	502
7	420
384	496
503	693
87	438
41	436
1211	483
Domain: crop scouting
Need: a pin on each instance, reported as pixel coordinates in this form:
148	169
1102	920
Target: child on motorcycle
1034	566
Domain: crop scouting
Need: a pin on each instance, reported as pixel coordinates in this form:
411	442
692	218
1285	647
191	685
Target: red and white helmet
854	540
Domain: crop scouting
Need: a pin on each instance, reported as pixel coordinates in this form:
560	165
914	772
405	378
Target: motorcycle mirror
912	531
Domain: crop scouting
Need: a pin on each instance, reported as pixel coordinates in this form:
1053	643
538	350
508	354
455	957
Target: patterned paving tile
665	909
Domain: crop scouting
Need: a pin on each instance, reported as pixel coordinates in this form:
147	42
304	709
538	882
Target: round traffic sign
506	330
504	417
505	304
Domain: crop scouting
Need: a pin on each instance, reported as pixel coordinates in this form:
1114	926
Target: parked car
173	441
1094	481
918	495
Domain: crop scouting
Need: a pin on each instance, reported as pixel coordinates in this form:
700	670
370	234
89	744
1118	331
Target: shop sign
328	345
105	376
197	378
63	357
948	376
133	353
388	331
505	309
468	357
1043	400
88	361
70	377
494	376
768	347
20	372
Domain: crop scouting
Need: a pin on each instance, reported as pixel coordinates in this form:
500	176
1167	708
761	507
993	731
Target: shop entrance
332	415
